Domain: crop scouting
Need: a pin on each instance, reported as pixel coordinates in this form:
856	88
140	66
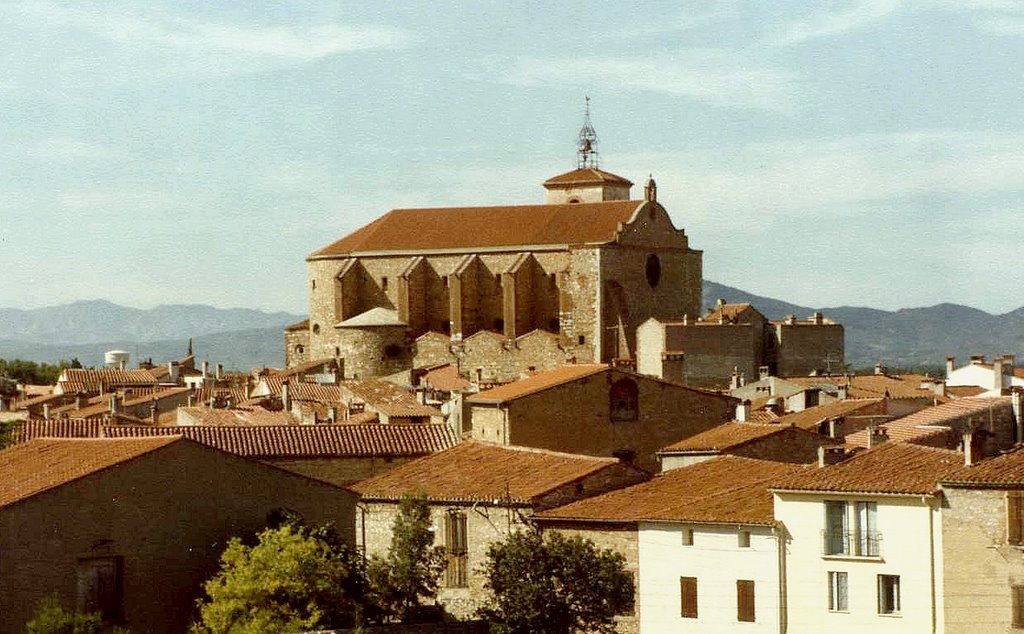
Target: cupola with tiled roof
587	183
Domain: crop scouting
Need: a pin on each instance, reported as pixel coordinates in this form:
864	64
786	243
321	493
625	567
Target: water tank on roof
116	359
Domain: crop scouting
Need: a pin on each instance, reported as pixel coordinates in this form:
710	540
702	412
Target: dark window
316	329
456	548
384	283
623	397
837	591
745	600
888	594
582	340
688	597
337	351
314	285
446	326
499	325
653	270
392	350
1017	599
743	539
100	587
299	349
554	325
1015	517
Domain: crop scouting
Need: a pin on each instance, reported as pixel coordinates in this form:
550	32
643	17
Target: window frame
1017	606
888	595
101	593
838	591
1015	518
456	546
688	598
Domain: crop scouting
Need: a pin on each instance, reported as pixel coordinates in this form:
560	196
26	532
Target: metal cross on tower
586	147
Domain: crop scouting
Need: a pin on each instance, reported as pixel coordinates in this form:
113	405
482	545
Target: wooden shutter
688	597
1018	606
744	600
1014	516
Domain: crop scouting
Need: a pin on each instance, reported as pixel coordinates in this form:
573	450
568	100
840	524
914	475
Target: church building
504	289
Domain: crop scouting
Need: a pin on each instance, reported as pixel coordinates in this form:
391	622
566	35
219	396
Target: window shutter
745	600
1018	606
1014	517
688	597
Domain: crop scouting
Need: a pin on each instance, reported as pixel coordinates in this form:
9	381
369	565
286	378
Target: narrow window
867	536
743	539
837	535
582	340
314	284
1015	517
456	548
745	600
100	587
316	329
687	537
688	597
623	397
837	593
888	594
384	284
1018	606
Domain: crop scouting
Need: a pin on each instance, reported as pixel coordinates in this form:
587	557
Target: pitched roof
388	399
810	418
462	228
964	391
870	385
57	428
447	379
103	406
728	313
585	176
479	471
1006	470
729	489
38	465
93	379
301	325
537	383
378	316
933	420
893	467
729	436
241	415
309	441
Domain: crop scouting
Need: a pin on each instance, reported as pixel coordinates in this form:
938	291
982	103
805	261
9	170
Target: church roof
463	228
585	176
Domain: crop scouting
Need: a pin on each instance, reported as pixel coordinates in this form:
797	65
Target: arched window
623	400
653	270
316	329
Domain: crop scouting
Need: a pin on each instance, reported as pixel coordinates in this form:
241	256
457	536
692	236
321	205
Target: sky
858	152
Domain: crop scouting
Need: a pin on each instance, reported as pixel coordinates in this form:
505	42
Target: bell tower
587	183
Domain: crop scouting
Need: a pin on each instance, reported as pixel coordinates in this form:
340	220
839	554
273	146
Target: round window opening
653	270
316	329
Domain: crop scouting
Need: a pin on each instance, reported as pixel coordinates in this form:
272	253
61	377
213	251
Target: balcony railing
851	543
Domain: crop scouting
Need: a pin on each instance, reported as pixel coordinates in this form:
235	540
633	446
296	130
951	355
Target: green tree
292	579
411	571
551	584
7	428
51	618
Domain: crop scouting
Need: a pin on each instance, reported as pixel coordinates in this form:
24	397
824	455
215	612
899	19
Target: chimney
113	402
339	371
332	414
877	436
79	400
950	366
286	401
220	371
879	368
977	359
763	372
1017	405
843	391
817	318
172	370
686	320
831	455
153	415
971	452
191	399
790	320
46	411
997	374
734	379
248	387
206	369
743	411
719	303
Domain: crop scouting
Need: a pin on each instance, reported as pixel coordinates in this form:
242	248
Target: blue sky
848	152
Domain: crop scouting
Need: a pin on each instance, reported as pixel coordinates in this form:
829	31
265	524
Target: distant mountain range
242	339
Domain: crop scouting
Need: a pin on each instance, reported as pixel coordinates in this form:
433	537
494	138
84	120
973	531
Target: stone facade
165	516
577	416
561	299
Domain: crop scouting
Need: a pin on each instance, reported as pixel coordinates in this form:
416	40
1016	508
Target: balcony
851	543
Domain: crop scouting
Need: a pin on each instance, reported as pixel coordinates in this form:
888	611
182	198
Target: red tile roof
537	383
388	399
933	420
38	465
1006	470
446	378
729	489
811	417
237	416
730	436
463	228
309	441
302	325
893	467
479	471
102	407
870	385
57	428
729	313
101	379
585	176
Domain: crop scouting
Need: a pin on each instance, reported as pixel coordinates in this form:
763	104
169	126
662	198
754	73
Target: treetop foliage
34	373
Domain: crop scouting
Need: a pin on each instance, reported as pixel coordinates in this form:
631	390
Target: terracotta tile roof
479	471
203	394
933	420
761	415
57	428
309	441
378	316
464	228
447	379
730	313
101	379
361	418
388	399
729	436
869	385
537	383
316	392
41	464
302	325
585	176
102	406
812	416
893	467
729	489
237	416
40	400
1006	470
309	367
965	391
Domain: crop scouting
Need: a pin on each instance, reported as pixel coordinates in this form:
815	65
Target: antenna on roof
586	147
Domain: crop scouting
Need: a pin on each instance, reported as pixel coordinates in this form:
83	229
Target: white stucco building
1001	374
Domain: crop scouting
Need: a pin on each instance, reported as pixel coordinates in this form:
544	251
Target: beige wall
803	348
169	514
340	470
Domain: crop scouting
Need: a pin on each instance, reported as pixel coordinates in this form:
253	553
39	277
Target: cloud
854	15
712	76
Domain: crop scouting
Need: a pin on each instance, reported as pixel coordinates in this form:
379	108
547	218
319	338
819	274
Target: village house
596	410
478	494
993	378
737	339
702	542
764	441
131	528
